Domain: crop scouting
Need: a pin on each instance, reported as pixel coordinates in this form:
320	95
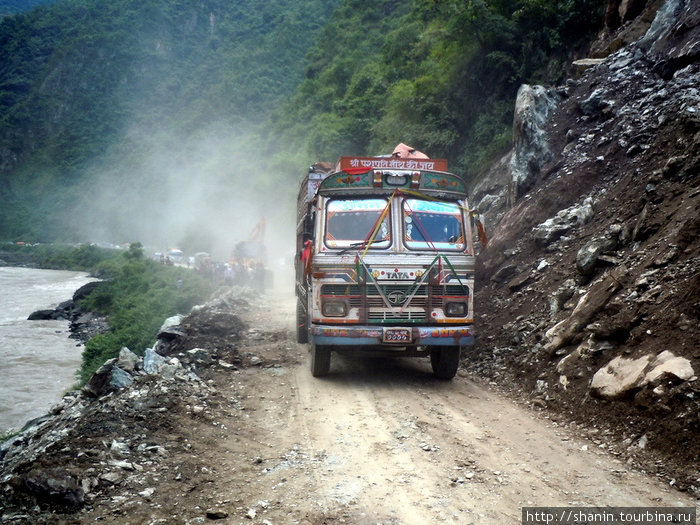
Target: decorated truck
385	261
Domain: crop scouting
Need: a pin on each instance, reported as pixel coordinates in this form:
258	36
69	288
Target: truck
384	261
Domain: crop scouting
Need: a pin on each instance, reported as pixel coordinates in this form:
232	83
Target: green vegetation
84	257
91	91
137	296
439	75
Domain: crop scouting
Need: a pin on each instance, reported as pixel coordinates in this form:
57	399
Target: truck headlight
456	309
334	309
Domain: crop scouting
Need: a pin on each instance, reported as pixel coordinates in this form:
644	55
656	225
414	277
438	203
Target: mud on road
376	441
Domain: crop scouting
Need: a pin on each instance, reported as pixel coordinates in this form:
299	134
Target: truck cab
385	261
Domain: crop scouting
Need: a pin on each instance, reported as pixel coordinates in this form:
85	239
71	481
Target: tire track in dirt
382	441
386	442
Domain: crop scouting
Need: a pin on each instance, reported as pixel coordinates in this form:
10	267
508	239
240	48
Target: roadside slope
588	290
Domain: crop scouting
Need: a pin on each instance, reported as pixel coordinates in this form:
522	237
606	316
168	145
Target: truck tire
444	361
302	324
320	360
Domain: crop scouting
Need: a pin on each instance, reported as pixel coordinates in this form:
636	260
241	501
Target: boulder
155	364
588	257
662	24
128	361
564	221
108	378
588	305
171	328
200	355
41	315
562	295
504	273
623	375
595	104
51	485
534	106
667	364
619	376
85	290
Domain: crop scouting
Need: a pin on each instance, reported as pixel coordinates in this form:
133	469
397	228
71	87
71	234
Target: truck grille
416	310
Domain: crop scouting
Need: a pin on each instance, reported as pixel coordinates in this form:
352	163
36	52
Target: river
38	362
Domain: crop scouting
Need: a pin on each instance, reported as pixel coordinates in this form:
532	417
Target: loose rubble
607	332
64	460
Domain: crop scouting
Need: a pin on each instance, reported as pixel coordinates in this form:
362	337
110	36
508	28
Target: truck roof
384	175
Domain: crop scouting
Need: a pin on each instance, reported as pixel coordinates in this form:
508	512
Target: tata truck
384	261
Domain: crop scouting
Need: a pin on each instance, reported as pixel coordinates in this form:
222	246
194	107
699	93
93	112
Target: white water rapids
38	362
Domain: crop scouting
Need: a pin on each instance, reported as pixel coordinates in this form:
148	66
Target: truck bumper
462	335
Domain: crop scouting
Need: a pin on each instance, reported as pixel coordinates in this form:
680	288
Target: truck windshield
350	222
429	225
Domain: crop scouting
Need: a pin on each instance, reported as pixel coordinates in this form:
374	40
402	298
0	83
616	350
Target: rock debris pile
589	299
110	437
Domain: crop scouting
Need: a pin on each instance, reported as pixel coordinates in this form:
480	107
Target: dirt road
376	441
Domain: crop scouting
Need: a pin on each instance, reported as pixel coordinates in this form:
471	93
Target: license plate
397	335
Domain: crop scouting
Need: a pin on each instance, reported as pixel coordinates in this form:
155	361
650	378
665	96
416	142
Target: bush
137	296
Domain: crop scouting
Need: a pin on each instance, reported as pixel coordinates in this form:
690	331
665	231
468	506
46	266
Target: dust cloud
206	192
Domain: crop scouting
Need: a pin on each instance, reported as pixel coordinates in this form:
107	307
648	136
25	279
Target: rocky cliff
588	299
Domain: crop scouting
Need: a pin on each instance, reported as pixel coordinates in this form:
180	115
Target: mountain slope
590	283
91	92
171	105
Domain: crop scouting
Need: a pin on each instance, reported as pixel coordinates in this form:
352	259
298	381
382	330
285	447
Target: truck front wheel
444	361
320	360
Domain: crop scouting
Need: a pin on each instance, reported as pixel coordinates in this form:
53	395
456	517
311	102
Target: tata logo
397	275
396	297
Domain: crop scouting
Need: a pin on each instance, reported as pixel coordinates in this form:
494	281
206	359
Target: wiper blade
357	245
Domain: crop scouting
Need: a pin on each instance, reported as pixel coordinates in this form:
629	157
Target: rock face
533	107
490	194
589	286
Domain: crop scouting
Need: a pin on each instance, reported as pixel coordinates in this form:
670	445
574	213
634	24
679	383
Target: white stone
667	363
619	376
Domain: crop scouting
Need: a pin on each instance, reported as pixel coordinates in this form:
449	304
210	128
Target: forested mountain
167	122
440	75
9	7
110	108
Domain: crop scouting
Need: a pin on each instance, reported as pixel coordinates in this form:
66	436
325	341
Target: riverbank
39	359
54	256
124	309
